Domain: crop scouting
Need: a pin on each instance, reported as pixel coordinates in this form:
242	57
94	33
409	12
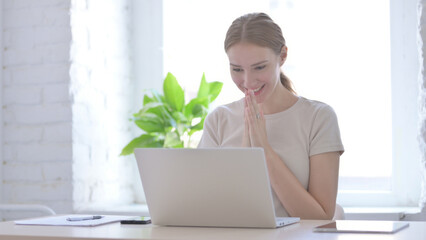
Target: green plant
167	120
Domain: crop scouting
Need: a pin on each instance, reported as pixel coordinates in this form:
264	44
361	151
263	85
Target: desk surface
302	230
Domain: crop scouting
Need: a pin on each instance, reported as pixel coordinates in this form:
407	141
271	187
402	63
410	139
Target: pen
84	218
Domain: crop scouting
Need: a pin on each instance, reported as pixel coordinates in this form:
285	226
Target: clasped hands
254	123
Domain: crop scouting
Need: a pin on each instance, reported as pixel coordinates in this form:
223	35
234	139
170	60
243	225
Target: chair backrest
339	213
17	211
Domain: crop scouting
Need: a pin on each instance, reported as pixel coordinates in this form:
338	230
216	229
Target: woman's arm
209	137
319	201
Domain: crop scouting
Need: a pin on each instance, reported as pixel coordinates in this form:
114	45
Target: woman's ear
283	55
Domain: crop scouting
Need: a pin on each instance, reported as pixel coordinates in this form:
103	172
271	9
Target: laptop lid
220	187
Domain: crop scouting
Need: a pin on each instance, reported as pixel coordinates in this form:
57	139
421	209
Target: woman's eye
260	67
237	69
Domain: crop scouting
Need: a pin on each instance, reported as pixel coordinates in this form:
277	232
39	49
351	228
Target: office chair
30	208
339	213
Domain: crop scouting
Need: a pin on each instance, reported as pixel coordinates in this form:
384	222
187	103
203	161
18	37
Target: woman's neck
280	100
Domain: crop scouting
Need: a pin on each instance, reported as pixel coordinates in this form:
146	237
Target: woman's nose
249	81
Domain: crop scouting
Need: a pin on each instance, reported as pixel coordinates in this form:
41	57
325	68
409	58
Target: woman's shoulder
225	114
314	109
315	105
232	107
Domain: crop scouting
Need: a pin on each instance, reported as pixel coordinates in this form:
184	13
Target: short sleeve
210	131
325	133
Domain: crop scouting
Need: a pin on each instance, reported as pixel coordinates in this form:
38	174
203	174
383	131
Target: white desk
302	230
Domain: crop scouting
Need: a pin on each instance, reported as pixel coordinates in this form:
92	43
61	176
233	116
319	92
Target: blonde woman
300	137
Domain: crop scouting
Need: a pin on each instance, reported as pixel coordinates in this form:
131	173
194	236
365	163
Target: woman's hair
259	29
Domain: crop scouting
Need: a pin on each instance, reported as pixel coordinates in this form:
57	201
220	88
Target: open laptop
212	187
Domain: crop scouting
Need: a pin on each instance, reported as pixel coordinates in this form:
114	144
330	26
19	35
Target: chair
30	208
339	213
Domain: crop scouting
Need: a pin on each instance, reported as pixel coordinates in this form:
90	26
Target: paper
62	220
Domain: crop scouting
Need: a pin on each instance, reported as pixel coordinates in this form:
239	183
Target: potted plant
167	120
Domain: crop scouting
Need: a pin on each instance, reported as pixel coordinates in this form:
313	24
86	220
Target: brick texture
37	120
102	91
422	97
67	96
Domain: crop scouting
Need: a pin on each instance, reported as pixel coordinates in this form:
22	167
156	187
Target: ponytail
286	82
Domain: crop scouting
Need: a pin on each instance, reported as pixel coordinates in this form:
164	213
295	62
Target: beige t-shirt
305	129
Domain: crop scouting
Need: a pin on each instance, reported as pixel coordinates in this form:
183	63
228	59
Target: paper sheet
62	220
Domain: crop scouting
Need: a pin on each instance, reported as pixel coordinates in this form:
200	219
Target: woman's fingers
246	135
256	122
254	105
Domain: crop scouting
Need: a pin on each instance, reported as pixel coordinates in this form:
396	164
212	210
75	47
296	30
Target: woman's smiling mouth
257	90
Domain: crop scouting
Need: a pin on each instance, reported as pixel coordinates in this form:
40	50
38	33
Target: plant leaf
165	118
199	110
162	111
199	126
157	96
214	90
173	93
150	122
189	108
179	117
172	140
149	107
203	90
147	99
142	141
210	90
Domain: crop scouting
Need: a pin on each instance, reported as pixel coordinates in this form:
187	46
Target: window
350	71
346	53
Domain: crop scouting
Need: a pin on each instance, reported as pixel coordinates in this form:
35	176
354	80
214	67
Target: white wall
63	151
37	144
1	104
147	43
404	74
147	68
421	37
102	86
422	94
420	87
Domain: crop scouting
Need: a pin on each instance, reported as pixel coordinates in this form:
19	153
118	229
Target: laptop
211	187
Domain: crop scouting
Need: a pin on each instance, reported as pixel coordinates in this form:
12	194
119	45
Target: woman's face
255	68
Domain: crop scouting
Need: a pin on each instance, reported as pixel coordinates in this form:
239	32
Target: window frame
405	69
147	69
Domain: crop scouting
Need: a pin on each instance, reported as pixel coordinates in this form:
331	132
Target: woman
300	137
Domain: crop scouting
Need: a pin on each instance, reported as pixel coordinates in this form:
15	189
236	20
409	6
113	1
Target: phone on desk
141	220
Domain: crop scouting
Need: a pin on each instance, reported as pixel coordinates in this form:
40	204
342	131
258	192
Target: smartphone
141	220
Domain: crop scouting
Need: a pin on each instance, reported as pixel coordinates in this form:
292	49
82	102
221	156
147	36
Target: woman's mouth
258	90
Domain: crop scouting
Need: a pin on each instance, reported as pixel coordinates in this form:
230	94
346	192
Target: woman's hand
246	135
255	127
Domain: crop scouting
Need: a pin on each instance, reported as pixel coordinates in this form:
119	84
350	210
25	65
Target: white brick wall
422	96
1	104
102	88
56	151
37	143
